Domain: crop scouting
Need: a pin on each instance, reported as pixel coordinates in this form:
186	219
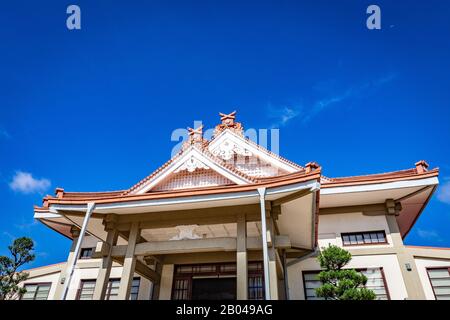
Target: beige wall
85	269
88	269
422	264
52	278
330	228
389	263
332	225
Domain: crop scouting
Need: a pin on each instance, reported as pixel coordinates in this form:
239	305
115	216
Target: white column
71	267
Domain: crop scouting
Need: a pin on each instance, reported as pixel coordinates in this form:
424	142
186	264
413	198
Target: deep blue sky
94	109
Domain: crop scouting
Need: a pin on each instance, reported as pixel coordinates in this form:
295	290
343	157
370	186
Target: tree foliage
339	283
21	253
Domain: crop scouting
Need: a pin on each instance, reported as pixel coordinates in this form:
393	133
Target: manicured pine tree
339	283
10	278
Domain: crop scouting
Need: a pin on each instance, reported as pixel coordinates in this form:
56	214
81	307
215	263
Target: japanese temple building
227	219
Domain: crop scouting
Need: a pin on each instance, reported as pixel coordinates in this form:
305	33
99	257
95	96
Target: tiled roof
394	175
205	152
325	183
75	198
199	143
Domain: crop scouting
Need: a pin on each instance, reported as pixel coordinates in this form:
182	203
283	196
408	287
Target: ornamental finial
228	123
196	135
228	119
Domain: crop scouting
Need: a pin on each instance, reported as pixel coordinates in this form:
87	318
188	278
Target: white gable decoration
228	143
190	161
191	164
227	159
228	148
198	179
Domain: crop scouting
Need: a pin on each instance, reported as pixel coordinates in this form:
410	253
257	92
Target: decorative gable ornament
228	122
191	164
227	149
186	232
195	138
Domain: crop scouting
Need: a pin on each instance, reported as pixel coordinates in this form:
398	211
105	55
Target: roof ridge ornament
421	166
196	134
228	119
195	138
228	122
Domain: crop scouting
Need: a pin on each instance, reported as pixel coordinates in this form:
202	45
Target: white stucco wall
51	278
331	226
389	263
87	269
330	229
422	264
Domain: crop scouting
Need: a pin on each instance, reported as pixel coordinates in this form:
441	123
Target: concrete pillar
75	231
263	206
410	277
105	269
129	263
165	290
272	260
157	285
241	259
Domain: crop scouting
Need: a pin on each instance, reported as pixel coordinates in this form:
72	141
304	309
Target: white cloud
26	225
444	193
322	104
282	115
428	234
25	183
330	97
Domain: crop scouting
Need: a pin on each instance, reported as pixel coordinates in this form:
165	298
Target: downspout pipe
262	200
71	267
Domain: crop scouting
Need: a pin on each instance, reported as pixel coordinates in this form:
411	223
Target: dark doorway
215	281
214	289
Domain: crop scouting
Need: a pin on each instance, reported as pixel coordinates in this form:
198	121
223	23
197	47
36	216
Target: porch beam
209	257
214	212
372	209
142	269
197	245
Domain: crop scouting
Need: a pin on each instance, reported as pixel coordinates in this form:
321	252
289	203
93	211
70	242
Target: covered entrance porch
247	235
